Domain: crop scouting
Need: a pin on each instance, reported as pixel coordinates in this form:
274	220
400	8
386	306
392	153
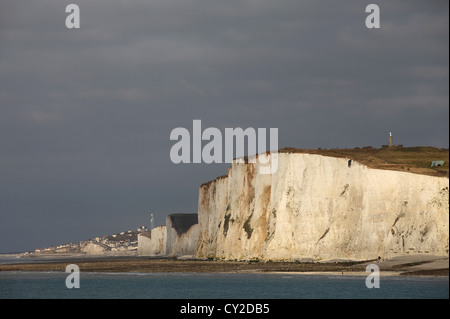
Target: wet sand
419	266
133	264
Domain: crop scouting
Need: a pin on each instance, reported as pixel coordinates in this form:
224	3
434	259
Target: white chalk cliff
153	242
317	207
181	244
179	237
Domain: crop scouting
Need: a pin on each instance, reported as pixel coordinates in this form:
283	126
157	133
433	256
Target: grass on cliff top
409	159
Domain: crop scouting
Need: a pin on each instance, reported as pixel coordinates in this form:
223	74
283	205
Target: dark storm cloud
86	114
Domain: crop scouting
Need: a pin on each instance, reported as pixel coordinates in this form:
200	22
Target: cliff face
182	234
318	207
153	242
179	237
93	249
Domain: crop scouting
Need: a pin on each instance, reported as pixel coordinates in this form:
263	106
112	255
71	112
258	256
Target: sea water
52	285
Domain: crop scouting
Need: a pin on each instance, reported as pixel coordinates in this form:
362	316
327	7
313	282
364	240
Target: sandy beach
408	265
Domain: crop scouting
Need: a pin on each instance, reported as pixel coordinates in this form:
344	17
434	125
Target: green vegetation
247	227
226	223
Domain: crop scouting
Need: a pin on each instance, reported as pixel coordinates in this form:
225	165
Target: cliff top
408	159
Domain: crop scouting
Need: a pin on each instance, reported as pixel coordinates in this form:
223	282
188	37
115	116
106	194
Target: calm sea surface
52	285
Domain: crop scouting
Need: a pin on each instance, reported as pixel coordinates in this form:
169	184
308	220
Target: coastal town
125	241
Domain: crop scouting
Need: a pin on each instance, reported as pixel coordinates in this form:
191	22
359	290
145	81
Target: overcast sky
86	114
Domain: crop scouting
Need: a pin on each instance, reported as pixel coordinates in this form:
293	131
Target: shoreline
399	266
